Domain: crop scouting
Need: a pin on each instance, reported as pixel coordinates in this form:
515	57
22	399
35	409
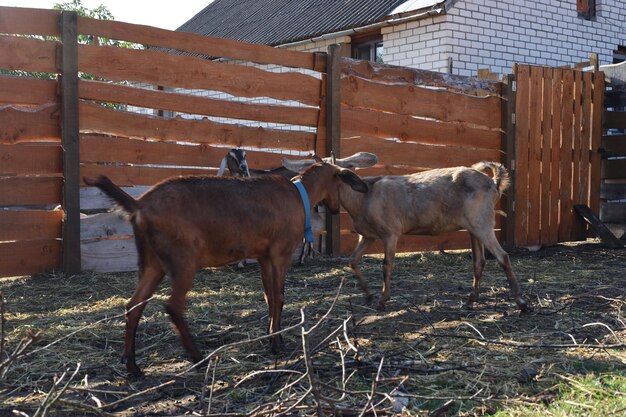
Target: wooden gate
558	125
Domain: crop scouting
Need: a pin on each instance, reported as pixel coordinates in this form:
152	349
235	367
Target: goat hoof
381	307
524	306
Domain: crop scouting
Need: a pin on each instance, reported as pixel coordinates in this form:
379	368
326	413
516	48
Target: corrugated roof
276	22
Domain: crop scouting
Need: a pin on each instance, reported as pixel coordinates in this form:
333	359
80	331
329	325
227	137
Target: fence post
508	114
71	262
333	137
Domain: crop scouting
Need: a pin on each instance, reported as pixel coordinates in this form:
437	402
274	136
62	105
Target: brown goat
429	203
181	225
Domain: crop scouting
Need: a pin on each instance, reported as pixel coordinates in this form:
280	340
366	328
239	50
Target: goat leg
390	244
357	255
478	258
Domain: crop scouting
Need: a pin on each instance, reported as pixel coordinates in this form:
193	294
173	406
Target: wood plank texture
546	145
615	119
613	168
31	159
596	136
111	255
521	153
30	224
98	119
613	145
419	155
362	121
91	198
198	44
555	155
178	71
192	104
18	191
425	102
104	225
27	91
126	175
28	54
566	214
534	155
395	74
25	123
26	21
29	257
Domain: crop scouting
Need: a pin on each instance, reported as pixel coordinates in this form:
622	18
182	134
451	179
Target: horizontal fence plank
614	98
418	155
613	168
27	54
395	74
31	159
110	255
614	119
25	123
29	257
26	90
201	45
26	21
358	121
104	225
192	104
19	191
177	71
613	212
30	224
613	191
91	198
425	102
613	145
98	119
406	243
127	175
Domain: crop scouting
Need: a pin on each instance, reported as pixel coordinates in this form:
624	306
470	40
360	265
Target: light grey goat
428	203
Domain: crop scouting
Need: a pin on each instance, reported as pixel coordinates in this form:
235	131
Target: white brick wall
495	34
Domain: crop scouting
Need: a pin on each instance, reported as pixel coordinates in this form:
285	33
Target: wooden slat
30	224
126	175
596	136
613	168
18	191
613	212
26	91
555	165
613	191
360	121
192	104
20	124
534	155
448	241
615	119
521	154
598	227
566	209
26	21
111	255
613	145
425	102
417	154
91	198
29	257
614	98
333	140
578	231
202	45
167	70
585	145
546	146
395	74
104	226
27	54
508	147
98	119
30	159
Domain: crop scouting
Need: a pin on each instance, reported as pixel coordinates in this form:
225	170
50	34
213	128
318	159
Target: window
368	47
586	8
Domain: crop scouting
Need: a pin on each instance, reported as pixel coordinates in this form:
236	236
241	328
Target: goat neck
316	181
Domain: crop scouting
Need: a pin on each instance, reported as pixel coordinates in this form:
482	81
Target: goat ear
353	180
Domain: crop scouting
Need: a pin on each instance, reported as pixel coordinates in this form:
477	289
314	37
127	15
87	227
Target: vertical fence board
585	146
521	153
534	155
555	171
71	154
567	117
577	229
546	132
509	156
598	110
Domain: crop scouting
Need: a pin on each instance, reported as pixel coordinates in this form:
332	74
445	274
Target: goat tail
123	199
499	173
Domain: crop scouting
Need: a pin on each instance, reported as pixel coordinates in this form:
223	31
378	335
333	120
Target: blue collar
308	231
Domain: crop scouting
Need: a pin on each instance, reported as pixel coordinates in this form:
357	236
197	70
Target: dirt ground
427	354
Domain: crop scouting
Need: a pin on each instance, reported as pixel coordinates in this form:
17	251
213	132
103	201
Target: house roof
276	22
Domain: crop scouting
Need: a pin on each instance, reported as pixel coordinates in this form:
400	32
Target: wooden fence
557	128
119	121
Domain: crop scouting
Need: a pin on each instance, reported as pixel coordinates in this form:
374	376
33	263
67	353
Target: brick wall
495	34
